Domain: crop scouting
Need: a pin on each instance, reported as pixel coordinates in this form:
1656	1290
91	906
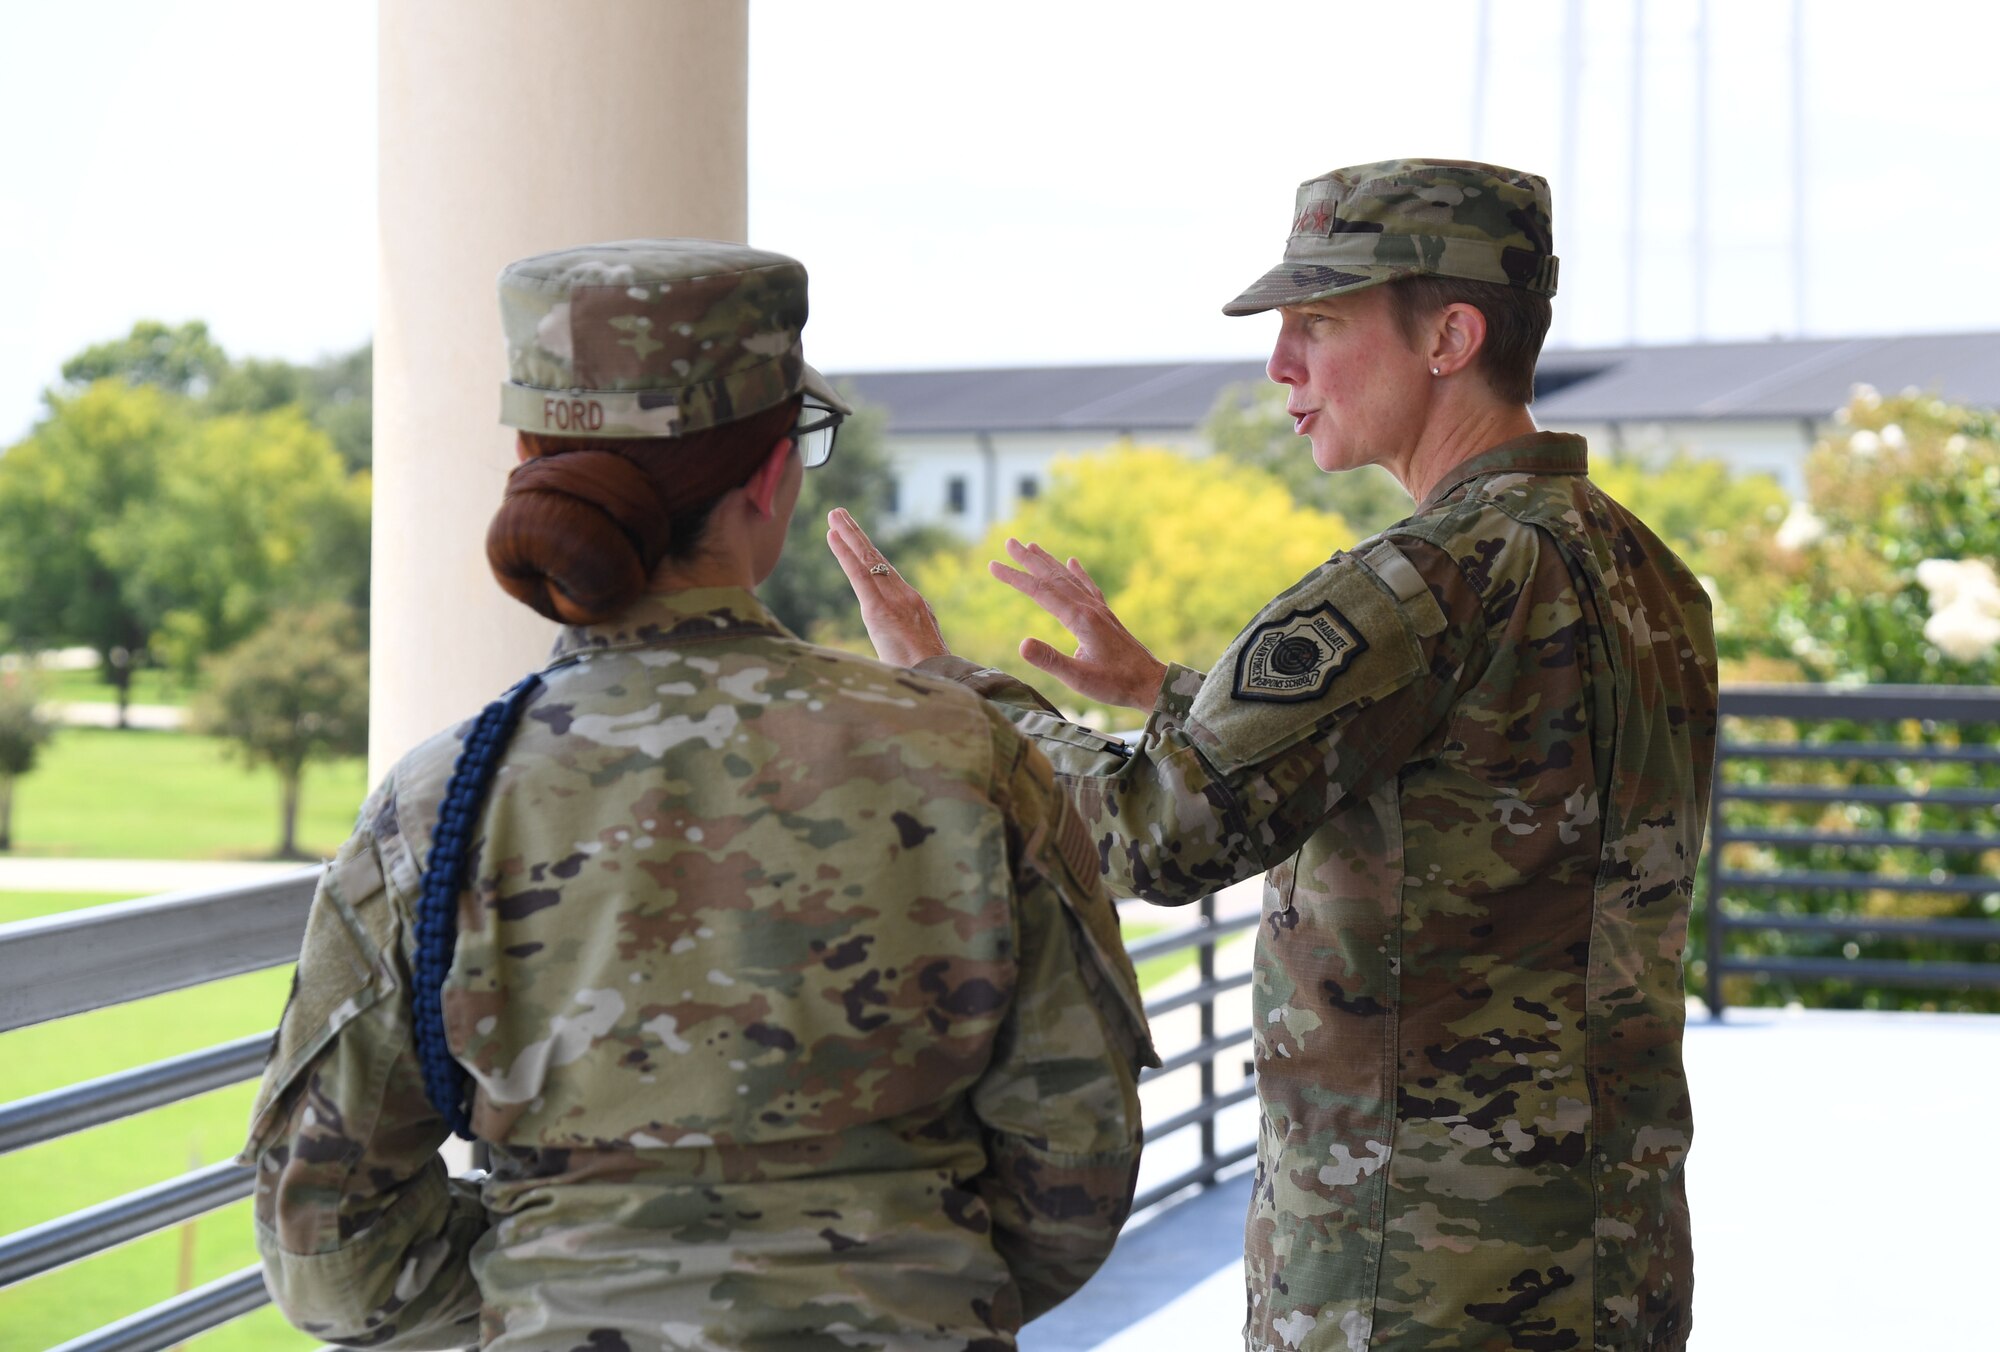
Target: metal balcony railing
1888	829
107	955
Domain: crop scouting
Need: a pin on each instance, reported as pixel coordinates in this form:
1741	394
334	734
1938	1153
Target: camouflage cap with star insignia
653	338
1373	223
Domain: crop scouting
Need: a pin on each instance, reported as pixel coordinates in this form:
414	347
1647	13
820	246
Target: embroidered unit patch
1293	660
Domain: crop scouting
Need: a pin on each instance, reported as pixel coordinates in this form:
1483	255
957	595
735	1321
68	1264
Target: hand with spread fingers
899	621
1109	664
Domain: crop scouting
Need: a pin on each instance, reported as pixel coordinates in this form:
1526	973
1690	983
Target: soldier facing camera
1471	757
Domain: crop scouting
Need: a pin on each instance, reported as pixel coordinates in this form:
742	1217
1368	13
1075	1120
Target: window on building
954	495
1028	489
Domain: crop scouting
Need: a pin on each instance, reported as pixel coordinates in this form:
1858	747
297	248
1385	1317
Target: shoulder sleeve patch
1339	639
1294	659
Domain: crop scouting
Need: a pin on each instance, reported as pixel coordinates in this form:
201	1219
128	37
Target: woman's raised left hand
899	621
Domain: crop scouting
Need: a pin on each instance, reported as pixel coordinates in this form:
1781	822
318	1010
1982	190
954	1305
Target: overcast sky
1044	182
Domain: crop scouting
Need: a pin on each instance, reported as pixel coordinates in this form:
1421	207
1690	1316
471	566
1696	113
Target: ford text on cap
1372	223
652	338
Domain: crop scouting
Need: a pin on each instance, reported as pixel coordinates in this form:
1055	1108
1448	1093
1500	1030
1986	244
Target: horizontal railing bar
1863	751
1189	938
174	1321
1829	793
1201	1112
1201	1173
1871	969
1904	927
60	1112
1196	995
1872	840
1195	1055
1862	882
65	964
1861	704
40	1248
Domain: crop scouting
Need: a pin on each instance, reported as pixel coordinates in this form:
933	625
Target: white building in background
968	447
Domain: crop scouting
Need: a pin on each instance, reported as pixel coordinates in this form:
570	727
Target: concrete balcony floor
1845	1186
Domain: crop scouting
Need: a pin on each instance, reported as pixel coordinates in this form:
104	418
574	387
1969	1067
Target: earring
1436	372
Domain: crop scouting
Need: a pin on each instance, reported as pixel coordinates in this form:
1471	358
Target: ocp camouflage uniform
795	1014
1474	757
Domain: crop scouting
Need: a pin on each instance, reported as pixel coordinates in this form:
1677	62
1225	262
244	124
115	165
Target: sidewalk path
136	877
95	714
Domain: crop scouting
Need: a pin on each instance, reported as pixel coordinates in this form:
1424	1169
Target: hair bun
577	535
607	481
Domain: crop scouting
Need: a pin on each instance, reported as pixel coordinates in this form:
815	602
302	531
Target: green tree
91	465
336	393
166	506
1250	426
808	592
182	360
340	399
1186	551
294	692
24	730
251	513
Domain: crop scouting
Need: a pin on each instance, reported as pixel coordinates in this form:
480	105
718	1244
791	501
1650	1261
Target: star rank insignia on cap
1293	660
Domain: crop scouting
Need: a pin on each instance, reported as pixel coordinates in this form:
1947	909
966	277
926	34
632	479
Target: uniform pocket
340	975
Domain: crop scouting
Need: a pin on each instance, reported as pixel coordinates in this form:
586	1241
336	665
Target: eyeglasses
814	433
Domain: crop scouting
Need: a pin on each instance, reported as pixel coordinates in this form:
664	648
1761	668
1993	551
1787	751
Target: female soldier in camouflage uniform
1472	757
784	990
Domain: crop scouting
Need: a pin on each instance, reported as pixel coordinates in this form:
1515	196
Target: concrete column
510	127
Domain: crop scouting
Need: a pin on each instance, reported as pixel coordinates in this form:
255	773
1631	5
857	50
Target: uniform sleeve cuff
1177	693
950	666
987	682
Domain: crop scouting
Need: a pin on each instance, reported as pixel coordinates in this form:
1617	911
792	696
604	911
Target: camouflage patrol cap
652	338
1372	223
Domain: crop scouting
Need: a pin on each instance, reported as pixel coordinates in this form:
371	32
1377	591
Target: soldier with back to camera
1472	756
780	984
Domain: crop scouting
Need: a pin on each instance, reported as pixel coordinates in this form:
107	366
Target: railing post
1716	920
1205	957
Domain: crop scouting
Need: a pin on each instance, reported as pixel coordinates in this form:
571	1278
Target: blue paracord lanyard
437	902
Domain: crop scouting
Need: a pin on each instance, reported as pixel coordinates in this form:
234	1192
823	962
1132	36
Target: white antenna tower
1481	41
1701	171
1637	179
1568	194
1799	167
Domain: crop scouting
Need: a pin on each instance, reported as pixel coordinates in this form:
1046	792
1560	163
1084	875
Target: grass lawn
104	794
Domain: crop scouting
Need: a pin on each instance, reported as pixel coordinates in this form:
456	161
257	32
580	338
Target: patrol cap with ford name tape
1373	223
653	338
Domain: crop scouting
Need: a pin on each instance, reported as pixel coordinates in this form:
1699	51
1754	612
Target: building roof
1112	399
1696	382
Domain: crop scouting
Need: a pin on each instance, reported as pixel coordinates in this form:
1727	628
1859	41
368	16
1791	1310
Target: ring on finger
880	569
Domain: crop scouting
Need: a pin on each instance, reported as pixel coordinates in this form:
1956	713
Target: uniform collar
1536	453
661	618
